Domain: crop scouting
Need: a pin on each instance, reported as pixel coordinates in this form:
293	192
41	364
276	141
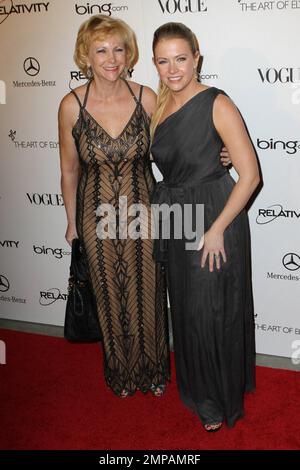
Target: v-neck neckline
137	102
107	133
182	107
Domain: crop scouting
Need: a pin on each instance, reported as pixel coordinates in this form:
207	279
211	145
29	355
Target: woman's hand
71	233
225	157
212	243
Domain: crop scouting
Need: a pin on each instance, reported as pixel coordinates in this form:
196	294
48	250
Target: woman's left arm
229	125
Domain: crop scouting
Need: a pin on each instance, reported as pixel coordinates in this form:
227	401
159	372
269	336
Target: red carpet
53	396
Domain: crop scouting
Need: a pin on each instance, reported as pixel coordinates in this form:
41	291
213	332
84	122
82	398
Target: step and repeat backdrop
249	48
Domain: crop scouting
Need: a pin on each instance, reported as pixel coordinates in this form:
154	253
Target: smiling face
175	63
108	57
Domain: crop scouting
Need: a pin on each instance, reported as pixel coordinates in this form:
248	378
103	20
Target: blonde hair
99	27
170	31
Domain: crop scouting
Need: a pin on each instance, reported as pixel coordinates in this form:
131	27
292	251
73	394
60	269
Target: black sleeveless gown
212	312
129	286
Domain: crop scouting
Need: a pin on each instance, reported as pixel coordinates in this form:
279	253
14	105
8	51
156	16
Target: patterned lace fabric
130	288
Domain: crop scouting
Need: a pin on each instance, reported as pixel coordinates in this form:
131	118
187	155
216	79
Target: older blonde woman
104	148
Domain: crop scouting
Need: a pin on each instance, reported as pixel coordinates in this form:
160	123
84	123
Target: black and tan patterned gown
129	286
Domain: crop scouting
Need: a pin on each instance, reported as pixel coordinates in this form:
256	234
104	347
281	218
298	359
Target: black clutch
81	319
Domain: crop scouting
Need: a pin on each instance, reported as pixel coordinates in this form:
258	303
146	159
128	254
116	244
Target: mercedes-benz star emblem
31	66
4	283
291	261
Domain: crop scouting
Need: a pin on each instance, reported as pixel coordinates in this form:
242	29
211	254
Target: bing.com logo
289	146
99	8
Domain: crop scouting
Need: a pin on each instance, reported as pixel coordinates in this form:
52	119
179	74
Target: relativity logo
276	211
8	7
77	75
50	296
182	6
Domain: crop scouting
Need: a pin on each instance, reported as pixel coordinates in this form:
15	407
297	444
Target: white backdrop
250	51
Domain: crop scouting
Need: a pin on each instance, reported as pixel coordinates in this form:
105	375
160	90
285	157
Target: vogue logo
104	8
283	75
290	146
182	6
265	216
45	199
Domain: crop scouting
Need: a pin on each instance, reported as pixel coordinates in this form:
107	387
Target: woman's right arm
69	162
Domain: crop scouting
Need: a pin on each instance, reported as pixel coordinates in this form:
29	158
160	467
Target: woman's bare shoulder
148	97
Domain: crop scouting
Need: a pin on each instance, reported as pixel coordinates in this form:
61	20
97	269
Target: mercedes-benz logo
4	283
291	261
31	66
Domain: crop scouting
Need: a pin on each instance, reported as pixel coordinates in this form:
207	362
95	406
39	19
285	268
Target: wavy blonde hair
99	27
171	31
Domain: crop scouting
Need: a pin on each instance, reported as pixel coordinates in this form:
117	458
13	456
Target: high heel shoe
158	390
213	427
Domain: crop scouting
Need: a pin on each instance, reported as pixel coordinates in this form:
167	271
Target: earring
196	74
89	73
125	73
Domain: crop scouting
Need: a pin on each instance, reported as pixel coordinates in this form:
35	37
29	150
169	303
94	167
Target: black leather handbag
81	319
